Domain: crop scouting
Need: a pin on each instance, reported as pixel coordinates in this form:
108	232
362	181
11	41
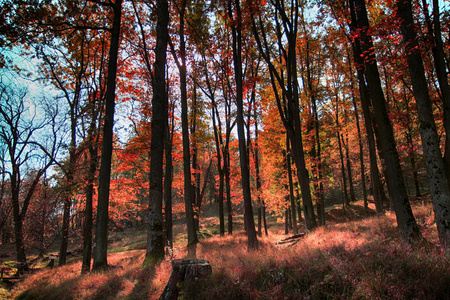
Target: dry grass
354	257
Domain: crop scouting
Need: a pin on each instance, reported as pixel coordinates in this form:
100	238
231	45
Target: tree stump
184	272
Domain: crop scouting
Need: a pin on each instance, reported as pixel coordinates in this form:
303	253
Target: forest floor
355	256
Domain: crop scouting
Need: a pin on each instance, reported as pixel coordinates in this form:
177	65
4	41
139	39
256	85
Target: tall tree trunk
341	155
291	186
195	166
257	170
220	168
168	177
319	194
155	236
349	169
101	230
243	151
286	220
361	153
188	187
378	192
226	164
315	153
88	222
439	189
66	216
409	230
221	198
21	256
68	190
299	208
409	141
440	66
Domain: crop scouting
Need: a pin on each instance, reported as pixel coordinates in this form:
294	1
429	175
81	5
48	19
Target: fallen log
292	239
184	272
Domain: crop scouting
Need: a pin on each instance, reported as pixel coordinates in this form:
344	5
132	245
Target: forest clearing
354	257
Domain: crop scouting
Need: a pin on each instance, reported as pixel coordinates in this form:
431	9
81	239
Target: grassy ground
354	257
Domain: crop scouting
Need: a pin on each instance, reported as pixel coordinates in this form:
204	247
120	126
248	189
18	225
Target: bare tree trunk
87	230
291	186
341	154
439	189
434	28
378	193
88	222
361	153
405	218
258	176
228	188
101	230
243	151
188	187
220	168
349	170
195	166
155	236
168	177
21	257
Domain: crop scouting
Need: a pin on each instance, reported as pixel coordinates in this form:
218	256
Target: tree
408	227
57	68
19	131
286	29
101	230
155	238
189	196
439	189
378	192
236	29
91	142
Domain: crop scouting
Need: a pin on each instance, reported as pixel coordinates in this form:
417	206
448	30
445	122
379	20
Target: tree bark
226	164
88	222
220	168
189	196
101	230
184	273
168	177
291	186
252	241
439	189
349	169
378	193
341	155
155	236
258	175
361	152
408	227
441	74
195	166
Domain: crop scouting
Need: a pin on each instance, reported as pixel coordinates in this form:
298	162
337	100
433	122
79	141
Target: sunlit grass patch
125	279
359	259
353	257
